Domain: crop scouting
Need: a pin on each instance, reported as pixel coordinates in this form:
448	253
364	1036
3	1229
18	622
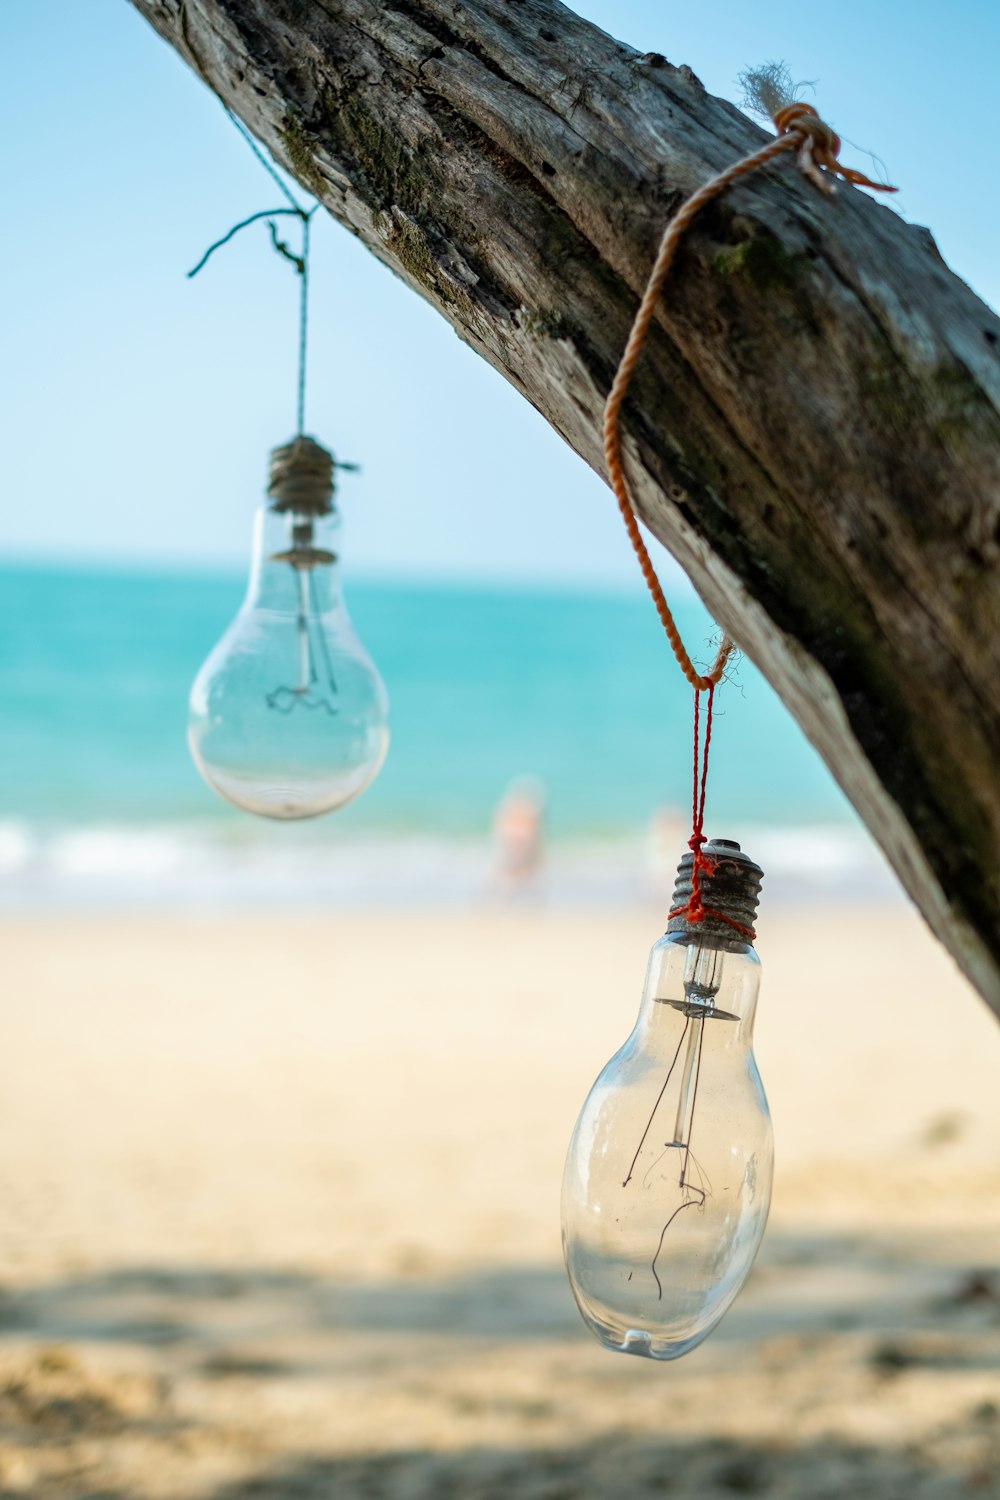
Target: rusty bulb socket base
730	890
301	478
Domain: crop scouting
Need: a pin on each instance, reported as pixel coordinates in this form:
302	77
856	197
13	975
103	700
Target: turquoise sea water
576	688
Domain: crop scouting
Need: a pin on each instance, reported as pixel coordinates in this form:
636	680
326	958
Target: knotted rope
816	145
817	149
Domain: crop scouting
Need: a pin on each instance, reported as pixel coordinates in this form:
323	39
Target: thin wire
300	404
265	213
649	1122
663	1234
300	262
268	166
303	269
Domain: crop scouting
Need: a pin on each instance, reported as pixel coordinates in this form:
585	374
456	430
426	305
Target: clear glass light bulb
668	1178
288	716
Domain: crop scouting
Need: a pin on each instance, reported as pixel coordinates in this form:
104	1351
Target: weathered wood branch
814	431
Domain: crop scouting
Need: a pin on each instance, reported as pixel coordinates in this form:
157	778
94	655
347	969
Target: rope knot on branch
819	146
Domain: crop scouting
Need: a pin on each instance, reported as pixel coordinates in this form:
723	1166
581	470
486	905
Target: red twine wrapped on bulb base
695	910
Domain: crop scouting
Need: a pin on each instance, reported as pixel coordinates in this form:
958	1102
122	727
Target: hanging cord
694	909
301	261
696	904
300	397
800	129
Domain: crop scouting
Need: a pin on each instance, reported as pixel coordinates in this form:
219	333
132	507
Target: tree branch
814	429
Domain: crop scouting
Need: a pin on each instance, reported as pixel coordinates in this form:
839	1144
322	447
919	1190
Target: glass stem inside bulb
689	1086
324	649
702	979
307	672
702	974
314	667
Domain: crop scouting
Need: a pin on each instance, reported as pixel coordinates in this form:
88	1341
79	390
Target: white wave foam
198	867
147	854
17	846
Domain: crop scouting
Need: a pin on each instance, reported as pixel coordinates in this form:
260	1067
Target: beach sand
281	1216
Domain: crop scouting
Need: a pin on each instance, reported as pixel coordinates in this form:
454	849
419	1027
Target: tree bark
814	430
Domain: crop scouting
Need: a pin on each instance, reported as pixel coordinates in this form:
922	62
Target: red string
696	905
695	909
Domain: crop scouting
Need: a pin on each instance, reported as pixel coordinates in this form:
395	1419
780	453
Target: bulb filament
308	691
701	985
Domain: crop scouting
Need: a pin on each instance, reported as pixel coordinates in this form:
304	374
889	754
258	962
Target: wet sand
281	1217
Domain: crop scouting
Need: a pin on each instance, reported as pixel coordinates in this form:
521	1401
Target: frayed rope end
770	88
771	92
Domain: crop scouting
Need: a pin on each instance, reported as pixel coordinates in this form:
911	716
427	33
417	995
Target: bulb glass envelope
668	1177
288	716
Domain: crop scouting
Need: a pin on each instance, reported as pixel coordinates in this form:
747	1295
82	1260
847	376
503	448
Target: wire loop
300	262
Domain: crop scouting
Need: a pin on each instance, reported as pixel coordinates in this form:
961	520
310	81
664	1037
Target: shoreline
232	866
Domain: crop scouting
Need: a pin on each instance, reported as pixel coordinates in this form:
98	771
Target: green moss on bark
299	147
764	261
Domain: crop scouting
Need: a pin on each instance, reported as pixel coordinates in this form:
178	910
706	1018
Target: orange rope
801	130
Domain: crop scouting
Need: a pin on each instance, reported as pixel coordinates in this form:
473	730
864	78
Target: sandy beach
281	1216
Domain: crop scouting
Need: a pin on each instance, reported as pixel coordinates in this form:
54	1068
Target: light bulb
288	716
668	1177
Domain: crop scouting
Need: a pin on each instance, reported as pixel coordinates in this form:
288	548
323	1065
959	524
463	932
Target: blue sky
138	407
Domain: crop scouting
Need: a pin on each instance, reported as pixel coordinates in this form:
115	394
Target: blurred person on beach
666	839
518	835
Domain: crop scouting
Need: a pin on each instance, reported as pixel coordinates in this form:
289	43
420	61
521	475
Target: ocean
100	803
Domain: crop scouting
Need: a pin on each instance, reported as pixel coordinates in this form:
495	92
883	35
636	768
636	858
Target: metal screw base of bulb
301	477
730	890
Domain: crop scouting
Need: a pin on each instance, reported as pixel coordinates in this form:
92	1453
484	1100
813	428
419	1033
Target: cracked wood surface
814	430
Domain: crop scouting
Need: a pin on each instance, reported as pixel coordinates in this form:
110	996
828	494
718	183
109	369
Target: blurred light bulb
288	716
668	1177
